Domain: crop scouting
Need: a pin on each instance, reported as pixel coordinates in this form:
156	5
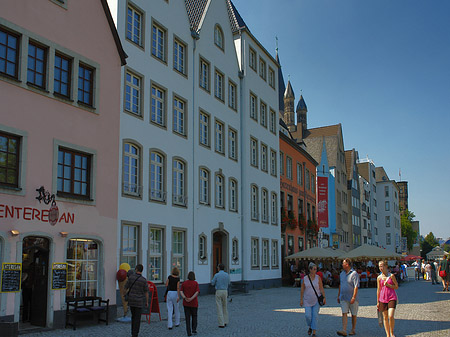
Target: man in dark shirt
137	285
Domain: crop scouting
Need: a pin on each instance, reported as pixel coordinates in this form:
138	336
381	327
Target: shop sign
34	214
288	187
59	276
322	202
11	277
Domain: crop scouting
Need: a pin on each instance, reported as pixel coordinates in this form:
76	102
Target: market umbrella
369	252
411	257
316	253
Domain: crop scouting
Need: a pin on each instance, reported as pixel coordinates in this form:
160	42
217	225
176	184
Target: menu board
11	277
59	276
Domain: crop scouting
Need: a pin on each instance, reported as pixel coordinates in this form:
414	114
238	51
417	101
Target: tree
407	230
428	244
446	247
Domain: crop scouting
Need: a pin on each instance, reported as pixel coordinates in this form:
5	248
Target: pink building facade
60	63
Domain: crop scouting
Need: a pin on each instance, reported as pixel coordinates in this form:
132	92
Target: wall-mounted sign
11	277
34	214
59	276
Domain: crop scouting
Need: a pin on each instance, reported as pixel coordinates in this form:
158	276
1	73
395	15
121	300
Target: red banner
322	201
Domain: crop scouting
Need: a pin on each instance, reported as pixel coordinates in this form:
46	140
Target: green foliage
428	244
407	231
446	248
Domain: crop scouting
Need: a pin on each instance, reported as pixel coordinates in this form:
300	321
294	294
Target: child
189	292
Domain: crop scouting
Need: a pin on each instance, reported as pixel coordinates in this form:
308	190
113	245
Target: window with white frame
158	106
235	251
179	116
220	191
178	251
157	165
252	59
159	42
308	179
388	221
131	169
133	93
254	152
254	202
179	56
289	167
82	258
218	37
204	129
156	251
134	25
387	206
388	239
264	205
386	191
232	95
273	121
264	157
262	69
178	183
274	208
202	246
204	74
265	253
219	81
233	195
130	245
299	174
218	137
263	114
232	144
10	151
273	163
255	253
204	186
253	107
272	78
274	253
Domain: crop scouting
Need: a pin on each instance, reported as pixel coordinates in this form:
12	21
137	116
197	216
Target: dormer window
218	37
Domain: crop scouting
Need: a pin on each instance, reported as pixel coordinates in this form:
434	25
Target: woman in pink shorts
386	297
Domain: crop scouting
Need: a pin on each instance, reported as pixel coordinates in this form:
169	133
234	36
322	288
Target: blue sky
382	69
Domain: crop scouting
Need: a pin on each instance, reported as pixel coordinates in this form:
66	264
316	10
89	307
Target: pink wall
83	29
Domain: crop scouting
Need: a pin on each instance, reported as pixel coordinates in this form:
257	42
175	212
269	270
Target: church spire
289	113
302	111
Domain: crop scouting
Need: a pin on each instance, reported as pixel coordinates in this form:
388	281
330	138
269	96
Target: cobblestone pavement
423	310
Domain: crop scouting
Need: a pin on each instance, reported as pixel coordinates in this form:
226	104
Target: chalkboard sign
11	277
59	276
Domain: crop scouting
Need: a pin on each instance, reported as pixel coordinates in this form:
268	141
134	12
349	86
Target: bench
82	306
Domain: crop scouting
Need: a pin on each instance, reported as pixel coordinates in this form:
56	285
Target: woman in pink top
308	297
386	297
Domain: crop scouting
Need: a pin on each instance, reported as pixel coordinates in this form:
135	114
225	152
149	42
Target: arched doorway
220	250
35	269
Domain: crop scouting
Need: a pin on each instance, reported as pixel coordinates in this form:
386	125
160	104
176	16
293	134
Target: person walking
312	288
444	271
433	272
137	290
348	296
173	297
386	297
189	292
221	281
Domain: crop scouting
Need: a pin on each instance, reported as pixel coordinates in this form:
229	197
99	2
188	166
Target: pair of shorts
390	305
353	308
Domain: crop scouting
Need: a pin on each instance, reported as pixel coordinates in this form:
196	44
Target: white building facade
193	189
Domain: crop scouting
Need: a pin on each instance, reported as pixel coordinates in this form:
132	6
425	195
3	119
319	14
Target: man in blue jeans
221	281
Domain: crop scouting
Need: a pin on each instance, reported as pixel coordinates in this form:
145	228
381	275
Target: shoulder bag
319	298
127	294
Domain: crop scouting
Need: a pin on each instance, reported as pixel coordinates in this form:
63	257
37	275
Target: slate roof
289	92
236	20
301	104
381	174
281	86
324	131
195	10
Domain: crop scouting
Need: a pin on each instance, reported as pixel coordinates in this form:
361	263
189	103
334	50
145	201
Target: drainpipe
241	157
195	36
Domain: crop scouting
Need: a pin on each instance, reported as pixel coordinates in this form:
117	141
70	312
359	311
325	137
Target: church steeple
302	111
289	113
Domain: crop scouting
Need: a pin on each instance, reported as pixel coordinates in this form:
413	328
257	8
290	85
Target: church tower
302	111
289	114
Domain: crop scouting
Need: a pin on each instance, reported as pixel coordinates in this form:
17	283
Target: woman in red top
189	291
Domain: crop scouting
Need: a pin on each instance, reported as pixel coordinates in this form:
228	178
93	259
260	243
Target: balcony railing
158	195
179	199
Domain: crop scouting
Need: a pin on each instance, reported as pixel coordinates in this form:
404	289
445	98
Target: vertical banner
322	202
